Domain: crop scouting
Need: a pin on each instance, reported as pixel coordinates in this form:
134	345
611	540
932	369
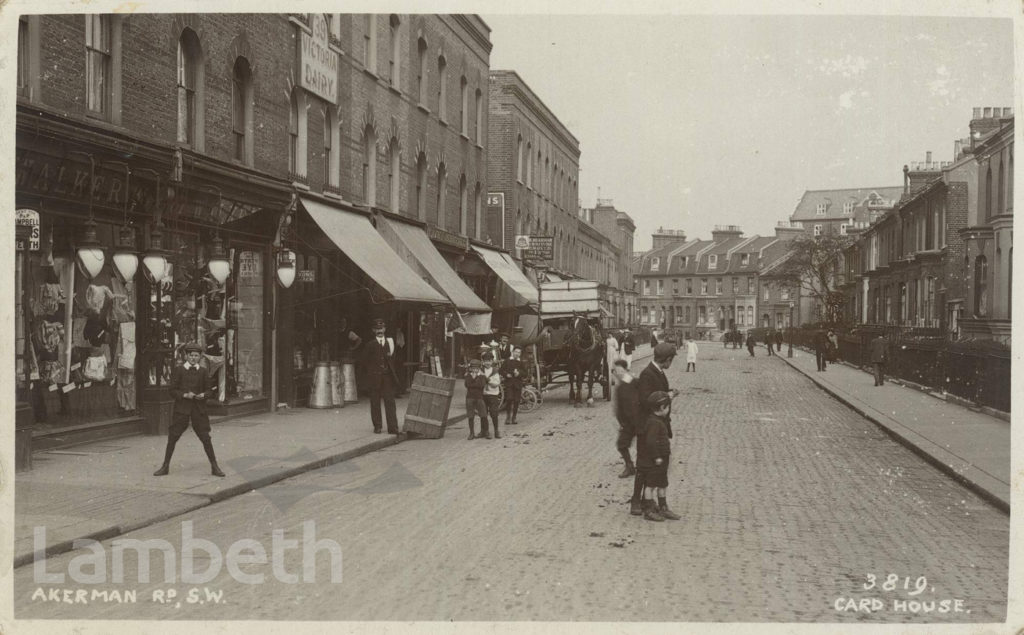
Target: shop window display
226	319
77	350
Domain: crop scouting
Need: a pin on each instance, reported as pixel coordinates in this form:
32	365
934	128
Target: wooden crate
430	399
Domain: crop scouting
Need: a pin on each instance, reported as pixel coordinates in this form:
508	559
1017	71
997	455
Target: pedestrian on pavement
628	414
778	341
768	343
611	349
750	344
652	458
654	338
492	396
652	379
189	385
879	357
691	354
475	405
378	360
820	349
833	347
628	346
513	371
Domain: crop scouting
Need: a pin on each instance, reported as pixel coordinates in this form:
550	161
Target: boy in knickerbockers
189	385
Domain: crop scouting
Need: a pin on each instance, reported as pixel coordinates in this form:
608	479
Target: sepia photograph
684	317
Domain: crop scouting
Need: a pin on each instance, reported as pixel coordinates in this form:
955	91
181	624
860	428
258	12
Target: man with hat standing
378	358
652	379
189	385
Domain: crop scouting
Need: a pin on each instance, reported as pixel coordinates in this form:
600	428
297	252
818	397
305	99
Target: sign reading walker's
318	64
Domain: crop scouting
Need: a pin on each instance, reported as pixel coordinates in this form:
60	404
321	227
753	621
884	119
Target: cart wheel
530	400
501	398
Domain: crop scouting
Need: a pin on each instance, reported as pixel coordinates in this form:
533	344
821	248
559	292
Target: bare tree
810	265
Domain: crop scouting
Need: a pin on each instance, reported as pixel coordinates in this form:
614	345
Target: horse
586	355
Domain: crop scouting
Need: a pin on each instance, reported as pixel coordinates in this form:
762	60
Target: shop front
440	335
513	294
354	276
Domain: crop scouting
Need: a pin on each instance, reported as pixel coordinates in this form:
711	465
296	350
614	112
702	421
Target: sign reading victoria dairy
318	64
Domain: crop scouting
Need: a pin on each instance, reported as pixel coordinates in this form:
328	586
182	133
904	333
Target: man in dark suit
879	356
513	371
504	349
189	385
652	379
378	360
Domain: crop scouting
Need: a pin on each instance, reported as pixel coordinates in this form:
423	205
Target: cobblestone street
792	505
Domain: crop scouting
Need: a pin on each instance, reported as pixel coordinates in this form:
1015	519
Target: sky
687	122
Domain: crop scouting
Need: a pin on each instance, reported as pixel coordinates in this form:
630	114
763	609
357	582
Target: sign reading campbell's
318	64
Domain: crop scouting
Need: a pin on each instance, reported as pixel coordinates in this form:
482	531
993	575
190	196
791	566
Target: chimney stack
928	157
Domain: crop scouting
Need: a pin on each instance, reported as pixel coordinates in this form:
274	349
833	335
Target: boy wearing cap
514	372
475	405
652	379
652	458
189	383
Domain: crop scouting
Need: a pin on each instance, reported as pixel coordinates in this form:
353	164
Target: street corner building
262	184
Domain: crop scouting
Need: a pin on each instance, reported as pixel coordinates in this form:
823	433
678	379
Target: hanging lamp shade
155	258
90	251
286	267
219	266
126	259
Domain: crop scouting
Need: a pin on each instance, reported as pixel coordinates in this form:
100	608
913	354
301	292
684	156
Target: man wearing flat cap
190	384
379	362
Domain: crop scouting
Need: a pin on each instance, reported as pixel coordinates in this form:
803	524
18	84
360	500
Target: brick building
619	228
349	149
532	171
835	211
704	288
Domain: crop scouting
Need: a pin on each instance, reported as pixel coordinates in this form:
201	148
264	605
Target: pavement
105	489
965	443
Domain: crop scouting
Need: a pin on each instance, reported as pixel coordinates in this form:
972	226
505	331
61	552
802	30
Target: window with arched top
394	174
988	193
395	52
479	133
476	219
369	166
420	204
370	43
464	101
332	148
529	165
442	196
421	72
519	158
190	90
463	205
980	286
442	88
241	111
1000	197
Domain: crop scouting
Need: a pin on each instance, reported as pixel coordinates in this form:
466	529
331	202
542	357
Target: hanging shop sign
494	227
318	64
26	222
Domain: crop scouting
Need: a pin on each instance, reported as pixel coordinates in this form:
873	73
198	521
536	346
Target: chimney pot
928	156
977	113
987	112
1007	112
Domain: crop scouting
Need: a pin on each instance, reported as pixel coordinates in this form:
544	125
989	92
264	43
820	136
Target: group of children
484	380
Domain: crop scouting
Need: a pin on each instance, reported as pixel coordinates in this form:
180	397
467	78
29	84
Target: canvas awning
414	247
518	291
354	235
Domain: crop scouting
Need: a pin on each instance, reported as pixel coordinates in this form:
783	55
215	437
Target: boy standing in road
627	412
514	372
652	458
475	398
492	396
189	383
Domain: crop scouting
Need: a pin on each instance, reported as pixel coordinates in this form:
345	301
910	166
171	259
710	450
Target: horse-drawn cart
570	342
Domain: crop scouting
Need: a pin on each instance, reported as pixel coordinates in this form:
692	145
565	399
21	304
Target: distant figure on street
778	341
475	397
833	347
820	349
768	343
691	354
379	361
654	338
653	456
189	383
750	344
514	372
611	351
628	346
628	414
879	357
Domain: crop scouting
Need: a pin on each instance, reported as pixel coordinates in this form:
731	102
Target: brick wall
956	219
